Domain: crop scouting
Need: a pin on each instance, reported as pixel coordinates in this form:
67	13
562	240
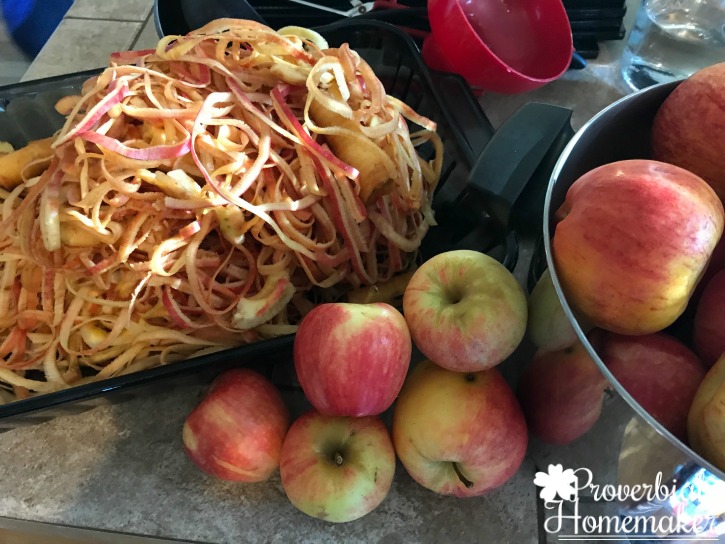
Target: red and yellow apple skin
351	359
561	394
709	323
659	371
458	433
706	420
687	127
236	432
465	310
632	241
337	468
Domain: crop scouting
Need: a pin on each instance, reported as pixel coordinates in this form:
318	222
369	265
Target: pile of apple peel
638	249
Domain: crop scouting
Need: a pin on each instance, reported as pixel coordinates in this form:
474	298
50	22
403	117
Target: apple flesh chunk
337	468
236	432
706	420
632	242
561	394
684	128
465	310
458	433
709	322
352	359
660	373
548	326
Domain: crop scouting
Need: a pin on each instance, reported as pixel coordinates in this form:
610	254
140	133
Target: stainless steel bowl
619	132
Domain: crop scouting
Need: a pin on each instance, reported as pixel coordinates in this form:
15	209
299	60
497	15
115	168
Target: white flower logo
557	482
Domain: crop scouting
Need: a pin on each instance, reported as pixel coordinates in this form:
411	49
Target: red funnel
504	46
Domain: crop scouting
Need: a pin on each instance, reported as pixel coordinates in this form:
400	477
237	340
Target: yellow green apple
335	468
465	310
706	420
548	326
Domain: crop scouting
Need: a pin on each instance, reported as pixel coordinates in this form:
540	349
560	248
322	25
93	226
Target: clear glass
672	39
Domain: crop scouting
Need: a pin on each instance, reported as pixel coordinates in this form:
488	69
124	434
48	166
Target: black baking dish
26	112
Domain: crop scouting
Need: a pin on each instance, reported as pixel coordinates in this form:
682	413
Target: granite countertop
121	467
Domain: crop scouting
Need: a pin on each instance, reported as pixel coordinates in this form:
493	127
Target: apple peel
251	312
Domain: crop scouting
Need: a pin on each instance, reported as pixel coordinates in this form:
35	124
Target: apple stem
465	481
338	458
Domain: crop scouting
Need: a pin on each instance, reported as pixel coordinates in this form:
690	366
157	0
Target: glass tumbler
672	39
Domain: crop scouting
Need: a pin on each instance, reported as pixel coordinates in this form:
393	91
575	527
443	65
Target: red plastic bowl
503	46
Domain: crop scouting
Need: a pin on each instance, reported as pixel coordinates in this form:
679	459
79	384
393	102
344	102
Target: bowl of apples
633	238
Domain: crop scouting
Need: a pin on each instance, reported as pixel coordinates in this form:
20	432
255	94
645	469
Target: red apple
351	359
561	394
660	373
709	323
458	433
632	241
236	432
465	310
717	261
716	264
686	130
337	468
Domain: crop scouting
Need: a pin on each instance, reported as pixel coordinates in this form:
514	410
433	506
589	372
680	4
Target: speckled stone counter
121	467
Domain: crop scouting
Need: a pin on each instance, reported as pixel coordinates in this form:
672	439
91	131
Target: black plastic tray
26	112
